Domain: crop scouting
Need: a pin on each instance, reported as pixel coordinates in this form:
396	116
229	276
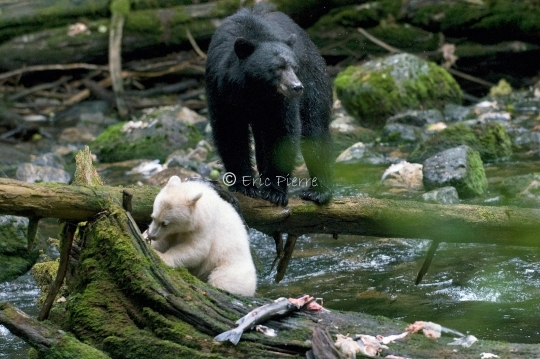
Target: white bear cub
193	227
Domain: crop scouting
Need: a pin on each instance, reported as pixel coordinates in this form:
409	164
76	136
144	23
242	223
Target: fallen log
361	216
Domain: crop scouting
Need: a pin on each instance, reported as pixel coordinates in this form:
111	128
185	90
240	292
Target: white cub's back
193	227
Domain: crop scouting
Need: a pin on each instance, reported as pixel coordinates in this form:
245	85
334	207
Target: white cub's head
173	209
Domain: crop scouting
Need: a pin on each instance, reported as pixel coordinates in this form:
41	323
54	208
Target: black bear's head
270	64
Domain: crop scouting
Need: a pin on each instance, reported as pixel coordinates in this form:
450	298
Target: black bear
263	72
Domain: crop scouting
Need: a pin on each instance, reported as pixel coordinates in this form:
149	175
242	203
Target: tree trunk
361	216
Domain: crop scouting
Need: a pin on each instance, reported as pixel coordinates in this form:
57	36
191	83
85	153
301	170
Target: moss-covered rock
380	88
153	136
490	139
15	259
460	167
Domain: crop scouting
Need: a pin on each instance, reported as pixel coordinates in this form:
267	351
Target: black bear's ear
243	47
291	40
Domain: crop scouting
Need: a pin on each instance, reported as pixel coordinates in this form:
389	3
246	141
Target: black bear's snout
290	85
297	89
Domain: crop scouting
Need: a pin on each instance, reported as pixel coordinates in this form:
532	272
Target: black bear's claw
250	191
319	197
275	195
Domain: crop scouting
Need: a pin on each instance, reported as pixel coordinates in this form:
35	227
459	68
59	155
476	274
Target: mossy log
146	30
361	216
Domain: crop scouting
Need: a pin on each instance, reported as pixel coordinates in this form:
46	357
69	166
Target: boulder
460	167
384	87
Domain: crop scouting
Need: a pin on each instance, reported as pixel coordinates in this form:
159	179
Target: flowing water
486	290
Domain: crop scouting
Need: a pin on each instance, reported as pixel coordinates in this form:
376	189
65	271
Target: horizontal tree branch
360	216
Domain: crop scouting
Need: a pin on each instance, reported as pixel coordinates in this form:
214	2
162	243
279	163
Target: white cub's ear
194	199
174	180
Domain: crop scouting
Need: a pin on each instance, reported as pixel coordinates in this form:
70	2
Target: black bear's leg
233	146
317	147
276	150
317	152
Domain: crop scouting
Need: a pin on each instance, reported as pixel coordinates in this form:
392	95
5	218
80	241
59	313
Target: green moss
380	88
476	182
15	259
120	7
155	142
70	348
491	140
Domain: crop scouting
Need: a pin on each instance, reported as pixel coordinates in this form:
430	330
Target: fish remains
279	307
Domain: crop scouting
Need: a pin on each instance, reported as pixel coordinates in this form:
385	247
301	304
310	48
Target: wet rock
403	175
418	118
490	139
73	115
457	113
383	87
15	259
345	131
523	190
359	153
50	159
524	137
443	195
401	133
29	172
76	135
154	135
460	167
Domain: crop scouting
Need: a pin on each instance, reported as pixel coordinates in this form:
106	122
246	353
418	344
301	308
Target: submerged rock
460	167
383	87
523	190
443	195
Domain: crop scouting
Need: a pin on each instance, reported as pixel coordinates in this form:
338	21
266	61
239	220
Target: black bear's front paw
319	196
250	191
275	194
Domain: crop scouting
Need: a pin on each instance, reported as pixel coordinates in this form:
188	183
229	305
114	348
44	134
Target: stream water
486	290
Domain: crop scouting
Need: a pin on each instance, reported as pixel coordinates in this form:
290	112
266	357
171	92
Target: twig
67	241
194	44
427	262
41	87
392	49
284	261
115	62
37	68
